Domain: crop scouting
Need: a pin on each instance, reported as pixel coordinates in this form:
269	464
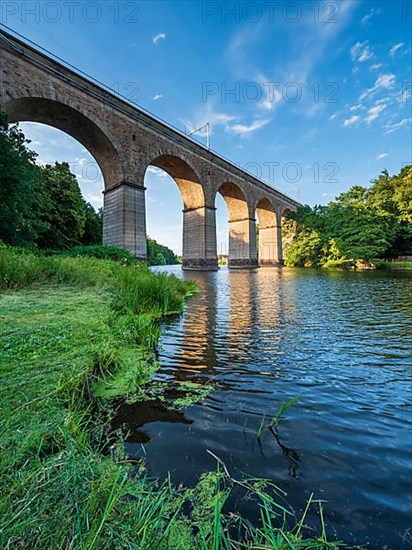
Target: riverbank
397	265
77	332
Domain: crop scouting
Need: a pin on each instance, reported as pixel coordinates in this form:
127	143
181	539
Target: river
339	340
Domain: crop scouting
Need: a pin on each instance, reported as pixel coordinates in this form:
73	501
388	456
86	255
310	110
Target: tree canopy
361	225
42	206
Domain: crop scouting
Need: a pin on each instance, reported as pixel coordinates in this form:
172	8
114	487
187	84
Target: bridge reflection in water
265	336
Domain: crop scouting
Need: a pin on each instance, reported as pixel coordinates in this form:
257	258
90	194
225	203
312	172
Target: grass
76	332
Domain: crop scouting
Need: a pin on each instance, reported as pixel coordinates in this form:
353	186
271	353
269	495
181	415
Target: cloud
332	117
392	127
395	48
272	94
157	96
243	129
369	15
157	172
356	107
374	112
381	156
350	121
384	81
376	66
158	37
361	52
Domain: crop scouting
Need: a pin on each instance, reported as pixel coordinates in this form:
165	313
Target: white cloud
332	117
374	112
80	161
361	52
384	81
158	37
383	100
356	107
395	48
392	127
381	156
157	172
369	15
350	121
208	114
157	96
376	66
243	129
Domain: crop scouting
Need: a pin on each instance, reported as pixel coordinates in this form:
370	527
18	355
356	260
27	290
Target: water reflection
340	340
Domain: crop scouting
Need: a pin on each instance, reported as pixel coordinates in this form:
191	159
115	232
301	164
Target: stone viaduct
125	141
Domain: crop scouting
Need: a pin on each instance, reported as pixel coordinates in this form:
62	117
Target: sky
311	96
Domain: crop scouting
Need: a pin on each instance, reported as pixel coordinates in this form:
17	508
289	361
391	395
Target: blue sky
313	97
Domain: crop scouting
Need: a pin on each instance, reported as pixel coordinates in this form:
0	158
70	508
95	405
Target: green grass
75	332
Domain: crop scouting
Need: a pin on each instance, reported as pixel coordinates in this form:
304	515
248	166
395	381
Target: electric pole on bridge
205	127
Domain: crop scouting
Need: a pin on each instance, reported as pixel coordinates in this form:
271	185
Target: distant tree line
42	206
158	254
361	225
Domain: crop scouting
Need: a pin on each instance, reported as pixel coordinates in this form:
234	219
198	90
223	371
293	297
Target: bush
102	253
342	263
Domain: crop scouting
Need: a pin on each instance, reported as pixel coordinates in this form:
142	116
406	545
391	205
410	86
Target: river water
342	342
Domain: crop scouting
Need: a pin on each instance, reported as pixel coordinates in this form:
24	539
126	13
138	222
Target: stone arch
77	125
284	212
185	177
269	233
242	231
236	201
199	224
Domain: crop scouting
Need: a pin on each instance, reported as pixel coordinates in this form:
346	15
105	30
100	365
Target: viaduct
125	141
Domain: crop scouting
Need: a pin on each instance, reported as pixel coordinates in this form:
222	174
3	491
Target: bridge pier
199	239
124	218
270	246
242	244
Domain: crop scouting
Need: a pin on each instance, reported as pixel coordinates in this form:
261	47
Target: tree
158	254
93	227
359	234
22	196
66	216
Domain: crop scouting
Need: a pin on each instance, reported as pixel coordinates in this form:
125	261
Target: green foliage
41	206
22	195
93	225
66	216
158	254
103	252
361	225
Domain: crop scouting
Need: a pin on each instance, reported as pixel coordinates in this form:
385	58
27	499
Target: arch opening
185	177
69	208
197	227
268	234
75	124
242	231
